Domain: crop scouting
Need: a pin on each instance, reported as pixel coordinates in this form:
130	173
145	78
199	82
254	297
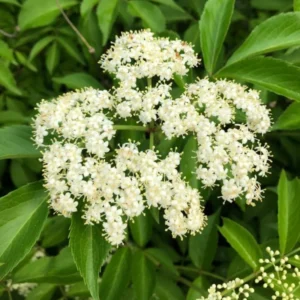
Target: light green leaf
273	74
242	241
214	24
43	291
115	277
22	216
203	246
296	5
71	49
33	14
289	119
170	3
279	32
150	14
16	142
141	229
10	116
288	212
52	57
5	51
89	250
86	6
58	269
7	80
78	289
39	46
78	80
143	276
106	14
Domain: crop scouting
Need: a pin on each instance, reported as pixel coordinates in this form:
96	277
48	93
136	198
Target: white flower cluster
77	129
234	289
136	55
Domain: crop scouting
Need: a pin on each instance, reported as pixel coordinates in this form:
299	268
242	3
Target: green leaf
33	14
214	24
23	60
7	80
58	269
20	174
201	291
14	2
78	80
242	241
87	5
273	74
203	246
71	49
288	212
115	277
296	5
9	117
141	229
78	289
106	14
192	35
143	276
289	119
52	57
39	46
279	32
5	51
167	289
150	14
22	216
89	250
279	5
16	142
188	162
170	3
56	231
43	291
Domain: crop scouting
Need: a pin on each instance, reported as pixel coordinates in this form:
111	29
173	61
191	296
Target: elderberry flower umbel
84	170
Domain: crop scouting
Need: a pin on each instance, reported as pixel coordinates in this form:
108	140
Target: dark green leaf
52	57
16	142
39	46
90	250
167	289
20	174
242	241
78	289
71	49
106	14
288	212
5	51
143	276
56	231
273	74
272	4
115	277
78	80
59	269
141	229
201	291
279	32
87	5
214	24
203	246
150	14
22	216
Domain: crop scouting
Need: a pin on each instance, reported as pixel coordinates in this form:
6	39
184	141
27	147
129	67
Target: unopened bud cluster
77	131
275	273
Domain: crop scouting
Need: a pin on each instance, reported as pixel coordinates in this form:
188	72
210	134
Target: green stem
201	272
131	127
151	140
9	294
255	274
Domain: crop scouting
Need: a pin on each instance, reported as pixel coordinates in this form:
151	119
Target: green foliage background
41	57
